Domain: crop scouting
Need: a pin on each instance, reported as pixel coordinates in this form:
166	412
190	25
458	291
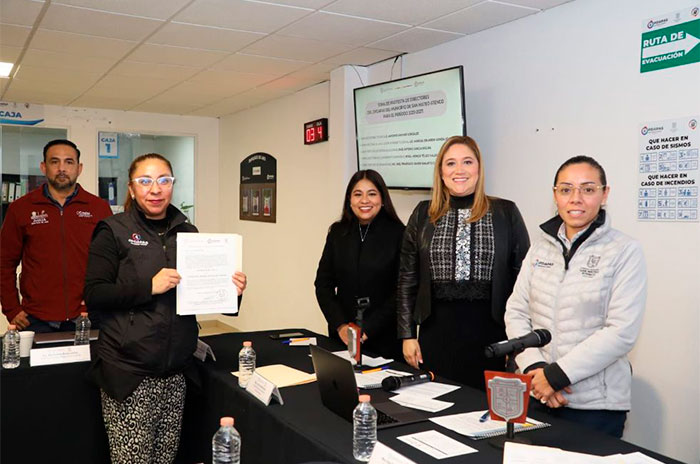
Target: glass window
114	167
22	151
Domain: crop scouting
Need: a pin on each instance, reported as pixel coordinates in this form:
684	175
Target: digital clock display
316	131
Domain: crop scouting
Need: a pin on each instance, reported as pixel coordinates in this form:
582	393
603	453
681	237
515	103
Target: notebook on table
336	381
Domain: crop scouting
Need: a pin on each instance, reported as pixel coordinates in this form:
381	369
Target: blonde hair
440	197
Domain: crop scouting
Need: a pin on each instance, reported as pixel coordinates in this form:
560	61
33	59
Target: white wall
538	91
573	73
280	259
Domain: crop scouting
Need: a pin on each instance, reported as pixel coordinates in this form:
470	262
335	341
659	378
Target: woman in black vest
361	259
144	347
460	257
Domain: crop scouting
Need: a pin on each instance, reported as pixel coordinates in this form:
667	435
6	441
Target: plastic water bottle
364	429
82	330
10	348
246	364
226	444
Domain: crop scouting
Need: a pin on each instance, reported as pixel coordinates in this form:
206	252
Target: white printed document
206	264
427	389
436	444
421	402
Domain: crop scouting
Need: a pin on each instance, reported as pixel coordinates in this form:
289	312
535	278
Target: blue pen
484	417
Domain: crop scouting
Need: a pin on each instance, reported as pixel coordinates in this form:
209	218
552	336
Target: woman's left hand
240	280
541	389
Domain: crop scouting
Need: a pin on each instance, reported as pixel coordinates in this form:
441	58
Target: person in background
586	283
360	259
460	257
48	231
144	347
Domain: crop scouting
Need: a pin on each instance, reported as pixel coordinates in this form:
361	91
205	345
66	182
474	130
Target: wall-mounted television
401	124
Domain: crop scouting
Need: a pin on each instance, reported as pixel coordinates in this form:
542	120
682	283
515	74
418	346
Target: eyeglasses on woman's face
586	190
165	182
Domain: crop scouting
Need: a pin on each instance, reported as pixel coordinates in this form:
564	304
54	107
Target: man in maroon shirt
49	230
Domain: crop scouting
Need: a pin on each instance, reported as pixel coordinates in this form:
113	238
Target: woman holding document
585	282
144	347
360	259
460	257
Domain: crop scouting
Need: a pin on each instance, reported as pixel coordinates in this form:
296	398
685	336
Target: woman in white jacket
585	282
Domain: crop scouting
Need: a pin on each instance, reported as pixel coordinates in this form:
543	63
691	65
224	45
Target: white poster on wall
668	170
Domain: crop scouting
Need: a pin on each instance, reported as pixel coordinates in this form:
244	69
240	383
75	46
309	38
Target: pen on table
369	371
287	342
484	416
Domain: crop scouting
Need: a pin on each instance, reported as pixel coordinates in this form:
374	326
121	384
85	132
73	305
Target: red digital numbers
316	131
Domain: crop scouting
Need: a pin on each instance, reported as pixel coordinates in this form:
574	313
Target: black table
304	430
52	414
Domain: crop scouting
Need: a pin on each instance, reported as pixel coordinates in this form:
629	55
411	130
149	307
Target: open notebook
468	424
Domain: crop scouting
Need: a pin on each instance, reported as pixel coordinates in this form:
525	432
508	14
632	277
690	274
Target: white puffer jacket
593	309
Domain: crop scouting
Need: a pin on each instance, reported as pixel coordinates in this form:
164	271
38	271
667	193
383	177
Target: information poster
402	124
668	170
671	40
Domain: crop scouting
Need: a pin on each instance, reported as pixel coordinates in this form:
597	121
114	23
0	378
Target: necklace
363	236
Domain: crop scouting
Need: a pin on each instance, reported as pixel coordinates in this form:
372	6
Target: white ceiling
216	57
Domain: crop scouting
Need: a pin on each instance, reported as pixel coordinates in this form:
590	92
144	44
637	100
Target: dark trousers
603	420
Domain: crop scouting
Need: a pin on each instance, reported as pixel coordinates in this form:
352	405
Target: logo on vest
83	214
39	218
591	269
136	240
543	264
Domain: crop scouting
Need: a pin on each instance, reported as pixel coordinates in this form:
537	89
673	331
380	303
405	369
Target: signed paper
206	264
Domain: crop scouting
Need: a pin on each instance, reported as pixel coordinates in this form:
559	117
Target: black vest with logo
148	339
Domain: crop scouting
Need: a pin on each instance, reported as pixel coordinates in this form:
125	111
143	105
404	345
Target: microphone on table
395	382
536	339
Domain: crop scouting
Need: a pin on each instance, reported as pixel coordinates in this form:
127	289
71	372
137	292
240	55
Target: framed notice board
258	189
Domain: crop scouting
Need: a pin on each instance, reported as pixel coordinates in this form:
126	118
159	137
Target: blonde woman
460	256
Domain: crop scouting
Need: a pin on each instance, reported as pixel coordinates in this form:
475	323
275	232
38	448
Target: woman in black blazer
361	259
461	254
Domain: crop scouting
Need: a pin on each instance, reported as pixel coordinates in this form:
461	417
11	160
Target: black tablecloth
52	414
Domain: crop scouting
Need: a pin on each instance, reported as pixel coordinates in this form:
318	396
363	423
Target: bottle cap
247	343
84	314
11	327
364	398
226	422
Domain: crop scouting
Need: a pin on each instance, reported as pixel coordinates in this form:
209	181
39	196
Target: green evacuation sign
671	40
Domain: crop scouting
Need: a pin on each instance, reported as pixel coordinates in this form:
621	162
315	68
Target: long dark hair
128	202
348	217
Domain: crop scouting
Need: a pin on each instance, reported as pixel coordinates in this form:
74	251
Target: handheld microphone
536	339
394	382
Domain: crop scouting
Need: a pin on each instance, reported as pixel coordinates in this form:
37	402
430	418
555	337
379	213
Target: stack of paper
517	453
373	378
420	402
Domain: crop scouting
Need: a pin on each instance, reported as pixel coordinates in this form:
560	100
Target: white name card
59	355
382	454
263	389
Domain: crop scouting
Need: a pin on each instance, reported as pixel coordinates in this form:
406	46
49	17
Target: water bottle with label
226	444
364	431
82	330
10	348
246	364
